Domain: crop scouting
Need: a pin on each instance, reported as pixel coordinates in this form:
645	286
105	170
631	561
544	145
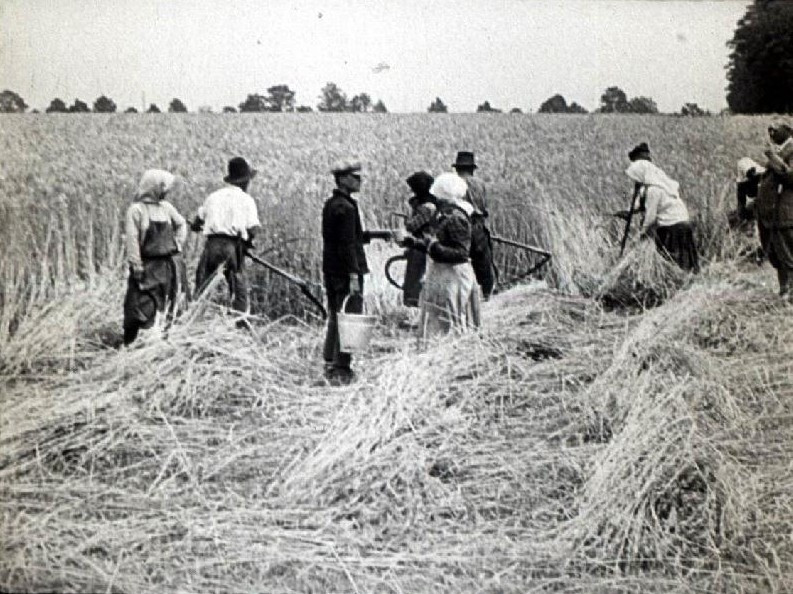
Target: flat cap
343	167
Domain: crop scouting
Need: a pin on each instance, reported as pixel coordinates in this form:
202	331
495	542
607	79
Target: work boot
340	376
784	276
243	324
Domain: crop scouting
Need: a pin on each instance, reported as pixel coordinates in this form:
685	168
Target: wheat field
616	426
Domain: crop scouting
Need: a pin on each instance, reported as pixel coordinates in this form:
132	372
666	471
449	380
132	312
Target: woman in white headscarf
746	183
155	234
450	298
665	216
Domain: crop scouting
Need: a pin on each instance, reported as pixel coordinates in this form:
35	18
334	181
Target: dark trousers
337	287
220	250
414	273
676	242
164	280
778	246
482	256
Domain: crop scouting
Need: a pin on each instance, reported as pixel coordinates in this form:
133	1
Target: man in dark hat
343	262
481	245
229	221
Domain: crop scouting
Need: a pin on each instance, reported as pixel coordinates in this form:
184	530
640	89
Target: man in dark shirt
343	263
481	247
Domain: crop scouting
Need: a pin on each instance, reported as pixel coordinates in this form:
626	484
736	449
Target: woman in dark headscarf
418	224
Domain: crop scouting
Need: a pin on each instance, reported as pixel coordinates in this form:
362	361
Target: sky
512	53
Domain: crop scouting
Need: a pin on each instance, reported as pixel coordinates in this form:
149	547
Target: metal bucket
355	330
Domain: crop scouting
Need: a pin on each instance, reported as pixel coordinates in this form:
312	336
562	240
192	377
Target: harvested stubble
565	448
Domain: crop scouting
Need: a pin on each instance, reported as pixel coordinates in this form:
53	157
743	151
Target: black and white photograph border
405	296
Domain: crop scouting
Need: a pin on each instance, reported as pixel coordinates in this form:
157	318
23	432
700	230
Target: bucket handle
346	298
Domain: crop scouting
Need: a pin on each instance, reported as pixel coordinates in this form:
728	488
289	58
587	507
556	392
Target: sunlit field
65	181
616	425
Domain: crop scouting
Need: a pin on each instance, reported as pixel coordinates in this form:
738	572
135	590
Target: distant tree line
613	100
280	98
558	104
759	74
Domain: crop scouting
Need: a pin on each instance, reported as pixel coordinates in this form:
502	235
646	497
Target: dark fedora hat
465	159
239	171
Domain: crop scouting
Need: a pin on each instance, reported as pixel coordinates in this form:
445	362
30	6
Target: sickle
390	262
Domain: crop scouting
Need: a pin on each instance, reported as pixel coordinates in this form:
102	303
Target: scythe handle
302	285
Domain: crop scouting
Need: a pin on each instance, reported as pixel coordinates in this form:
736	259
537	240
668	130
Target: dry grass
568	446
565	448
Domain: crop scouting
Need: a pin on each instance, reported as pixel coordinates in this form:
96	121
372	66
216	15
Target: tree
280	98
104	105
176	106
438	106
760	67
361	103
130	110
692	110
380	107
558	104
153	108
516	110
229	109
57	106
613	100
486	108
304	109
642	105
332	98
11	102
79	107
555	104
254	103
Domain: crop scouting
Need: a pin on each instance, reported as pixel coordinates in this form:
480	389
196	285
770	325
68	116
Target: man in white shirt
229	221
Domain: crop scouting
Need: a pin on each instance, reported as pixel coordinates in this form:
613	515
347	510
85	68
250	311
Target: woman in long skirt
665	216
450	297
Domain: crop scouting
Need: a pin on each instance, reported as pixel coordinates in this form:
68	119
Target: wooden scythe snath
302	285
628	220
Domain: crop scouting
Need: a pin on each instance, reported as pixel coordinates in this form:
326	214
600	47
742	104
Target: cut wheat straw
564	447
